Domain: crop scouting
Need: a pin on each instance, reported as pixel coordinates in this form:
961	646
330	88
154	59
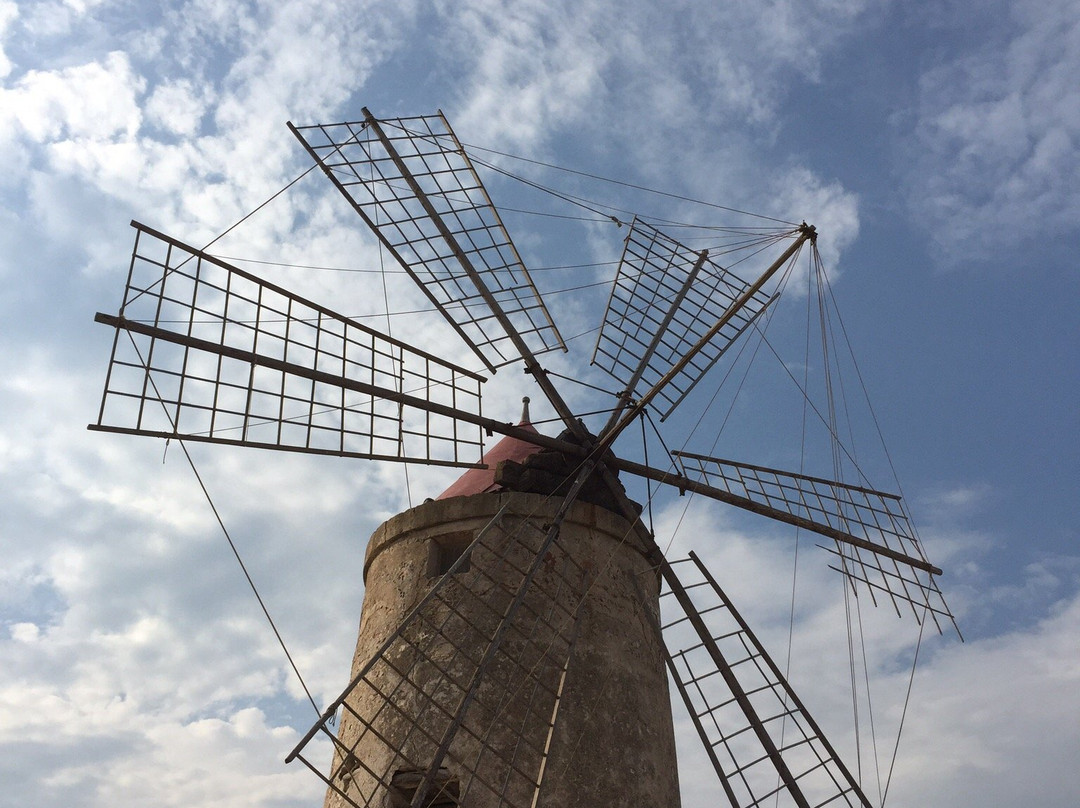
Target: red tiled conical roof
481	481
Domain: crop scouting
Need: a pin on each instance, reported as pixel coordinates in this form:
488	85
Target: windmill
476	657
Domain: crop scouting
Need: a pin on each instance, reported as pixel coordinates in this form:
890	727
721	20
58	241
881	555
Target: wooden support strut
733	684
654	623
480	187
627	395
566	447
532	364
687	484
806	232
779	677
444	231
656	557
390	248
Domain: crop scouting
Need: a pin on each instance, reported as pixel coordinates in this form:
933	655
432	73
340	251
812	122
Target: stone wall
583	647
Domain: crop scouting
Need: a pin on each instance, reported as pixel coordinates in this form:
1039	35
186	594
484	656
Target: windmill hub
551	472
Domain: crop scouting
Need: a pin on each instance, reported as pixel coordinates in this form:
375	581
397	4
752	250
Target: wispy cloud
996	136
626	81
1000	713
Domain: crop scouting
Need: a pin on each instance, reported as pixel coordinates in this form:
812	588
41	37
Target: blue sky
934	148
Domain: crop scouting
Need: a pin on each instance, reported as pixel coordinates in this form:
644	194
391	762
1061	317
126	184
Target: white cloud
216	145
177	107
830	207
24	632
234	760
531	67
49	18
82	6
997	137
112	669
9	11
671	97
994	722
600	68
91	102
956	500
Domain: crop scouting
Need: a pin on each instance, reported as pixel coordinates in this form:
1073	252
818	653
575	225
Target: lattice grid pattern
430	685
660	307
413	184
860	513
205	351
742	706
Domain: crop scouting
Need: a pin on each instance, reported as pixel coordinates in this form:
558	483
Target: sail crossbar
875	543
763	744
664	299
208	352
413	184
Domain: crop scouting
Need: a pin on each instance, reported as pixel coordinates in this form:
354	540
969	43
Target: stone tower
572	710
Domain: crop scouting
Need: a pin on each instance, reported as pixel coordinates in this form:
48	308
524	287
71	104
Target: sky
935	149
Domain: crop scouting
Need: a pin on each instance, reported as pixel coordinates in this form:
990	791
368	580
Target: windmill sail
470	682
207	352
875	542
412	183
763	744
664	299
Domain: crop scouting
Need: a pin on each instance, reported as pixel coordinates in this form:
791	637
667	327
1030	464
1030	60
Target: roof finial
525	410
